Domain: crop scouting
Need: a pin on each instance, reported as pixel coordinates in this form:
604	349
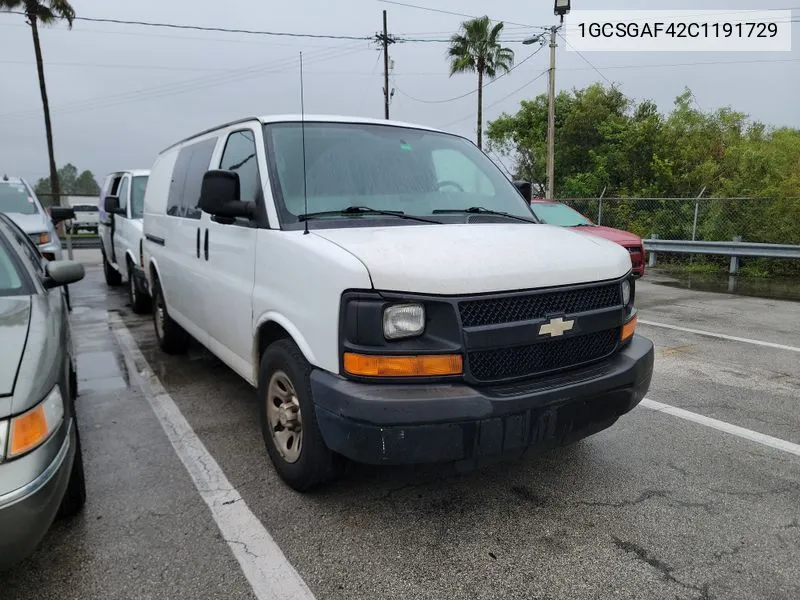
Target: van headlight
626	292
403	321
33	428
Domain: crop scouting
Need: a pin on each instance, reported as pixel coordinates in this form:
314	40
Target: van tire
172	338
316	464
140	302
113	278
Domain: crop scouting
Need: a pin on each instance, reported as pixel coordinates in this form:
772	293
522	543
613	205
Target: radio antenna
303	134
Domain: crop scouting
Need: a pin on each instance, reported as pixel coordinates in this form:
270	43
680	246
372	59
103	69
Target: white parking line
753	436
271	575
721	336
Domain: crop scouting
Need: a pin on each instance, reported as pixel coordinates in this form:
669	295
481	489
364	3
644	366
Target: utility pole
561	8
551	118
384	39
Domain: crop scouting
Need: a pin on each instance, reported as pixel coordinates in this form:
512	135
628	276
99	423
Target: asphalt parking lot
698	499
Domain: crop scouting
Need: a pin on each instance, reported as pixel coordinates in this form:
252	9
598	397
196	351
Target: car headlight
31	429
403	320
626	292
40	238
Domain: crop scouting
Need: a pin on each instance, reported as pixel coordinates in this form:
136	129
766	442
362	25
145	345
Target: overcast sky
121	93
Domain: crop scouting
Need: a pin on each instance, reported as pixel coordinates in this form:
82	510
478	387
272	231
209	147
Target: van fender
293	331
151	273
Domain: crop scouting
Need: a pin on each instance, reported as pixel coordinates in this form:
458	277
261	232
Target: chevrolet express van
388	292
120	207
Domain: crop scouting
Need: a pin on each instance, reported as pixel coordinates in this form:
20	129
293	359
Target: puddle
787	288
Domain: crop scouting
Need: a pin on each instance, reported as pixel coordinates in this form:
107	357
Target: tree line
607	143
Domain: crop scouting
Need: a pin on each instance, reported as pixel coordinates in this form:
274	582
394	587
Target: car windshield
384	168
14	198
559	214
138	185
11	282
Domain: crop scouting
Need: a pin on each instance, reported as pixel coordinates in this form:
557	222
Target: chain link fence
766	220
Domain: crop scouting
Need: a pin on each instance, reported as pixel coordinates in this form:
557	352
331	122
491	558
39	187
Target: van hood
479	258
37	223
14	319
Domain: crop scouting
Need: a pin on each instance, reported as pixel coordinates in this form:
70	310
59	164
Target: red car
556	213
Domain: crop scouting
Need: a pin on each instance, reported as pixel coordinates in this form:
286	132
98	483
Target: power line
180	87
504	98
216	29
457	14
519	64
588	62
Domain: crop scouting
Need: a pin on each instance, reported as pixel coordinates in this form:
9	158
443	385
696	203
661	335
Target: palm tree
46	12
476	48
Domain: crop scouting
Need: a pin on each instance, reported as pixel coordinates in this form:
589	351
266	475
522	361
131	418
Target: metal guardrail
81	242
736	249
723	248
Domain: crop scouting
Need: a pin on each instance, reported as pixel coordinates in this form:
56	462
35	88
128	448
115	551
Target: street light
561	8
533	40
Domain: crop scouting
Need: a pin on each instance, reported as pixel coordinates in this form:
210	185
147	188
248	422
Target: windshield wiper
481	210
364	210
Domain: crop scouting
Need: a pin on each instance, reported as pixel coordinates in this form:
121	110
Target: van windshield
14	198
385	168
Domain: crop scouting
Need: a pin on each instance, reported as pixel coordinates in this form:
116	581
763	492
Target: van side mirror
111	206
524	188
220	197
61	213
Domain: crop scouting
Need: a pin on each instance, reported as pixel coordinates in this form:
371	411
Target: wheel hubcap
284	417
133	289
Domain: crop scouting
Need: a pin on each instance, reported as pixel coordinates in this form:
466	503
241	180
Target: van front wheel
288	419
172	338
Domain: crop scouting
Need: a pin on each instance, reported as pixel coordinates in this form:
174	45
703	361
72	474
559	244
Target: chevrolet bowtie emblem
556	327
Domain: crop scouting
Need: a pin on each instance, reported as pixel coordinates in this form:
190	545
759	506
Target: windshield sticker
30	200
405	147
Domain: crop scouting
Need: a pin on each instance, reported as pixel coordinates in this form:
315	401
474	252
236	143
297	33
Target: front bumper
52	248
27	513
409	424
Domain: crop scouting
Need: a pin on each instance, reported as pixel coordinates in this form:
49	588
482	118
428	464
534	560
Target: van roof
313	118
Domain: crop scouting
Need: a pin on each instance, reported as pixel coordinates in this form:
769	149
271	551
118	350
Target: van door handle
205	245
198	243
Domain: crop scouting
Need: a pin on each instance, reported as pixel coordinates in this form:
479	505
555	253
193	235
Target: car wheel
113	278
139	301
288	419
75	496
172	338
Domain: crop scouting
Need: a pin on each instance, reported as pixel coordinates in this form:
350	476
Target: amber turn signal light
430	365
629	328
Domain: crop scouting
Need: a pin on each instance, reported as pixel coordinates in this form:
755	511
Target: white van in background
389	293
120	209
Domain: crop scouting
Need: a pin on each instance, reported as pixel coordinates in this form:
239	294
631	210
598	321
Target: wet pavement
655	507
781	288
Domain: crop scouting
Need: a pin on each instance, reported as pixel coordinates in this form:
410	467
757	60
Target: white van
389	293
120	209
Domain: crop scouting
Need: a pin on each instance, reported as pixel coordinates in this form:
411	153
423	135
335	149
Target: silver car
18	201
41	469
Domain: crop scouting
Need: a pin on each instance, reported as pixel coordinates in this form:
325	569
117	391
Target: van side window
123	193
187	178
239	156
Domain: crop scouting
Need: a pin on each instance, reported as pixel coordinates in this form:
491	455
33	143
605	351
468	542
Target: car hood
31	223
14	320
478	258
615	235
